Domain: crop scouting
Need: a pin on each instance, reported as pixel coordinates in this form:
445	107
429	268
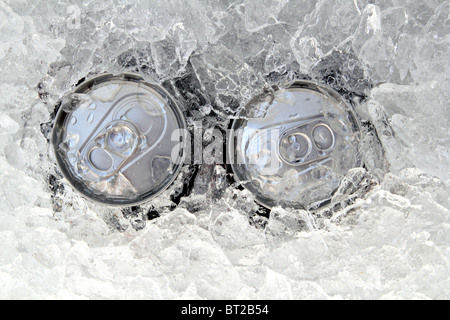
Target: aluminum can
119	140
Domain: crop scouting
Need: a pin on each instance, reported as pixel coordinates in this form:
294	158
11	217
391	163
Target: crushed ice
387	232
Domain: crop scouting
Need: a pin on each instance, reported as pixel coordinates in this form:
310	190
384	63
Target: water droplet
90	118
73	121
92	106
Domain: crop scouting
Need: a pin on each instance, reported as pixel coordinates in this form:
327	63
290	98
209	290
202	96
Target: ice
385	235
400	105
9	126
223	73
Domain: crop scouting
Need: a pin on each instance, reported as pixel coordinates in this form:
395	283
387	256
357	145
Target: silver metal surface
292	148
119	140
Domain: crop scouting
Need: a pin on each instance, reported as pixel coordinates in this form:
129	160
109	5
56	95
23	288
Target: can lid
119	140
292	148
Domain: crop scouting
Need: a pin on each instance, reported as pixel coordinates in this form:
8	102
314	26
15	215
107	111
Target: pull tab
307	143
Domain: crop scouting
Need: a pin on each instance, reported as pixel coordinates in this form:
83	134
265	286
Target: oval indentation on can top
323	137
100	159
90	118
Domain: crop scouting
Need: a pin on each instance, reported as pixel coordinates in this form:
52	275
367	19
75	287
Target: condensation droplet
73	121
90	118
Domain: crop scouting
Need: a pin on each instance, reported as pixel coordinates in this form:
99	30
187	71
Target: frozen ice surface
386	234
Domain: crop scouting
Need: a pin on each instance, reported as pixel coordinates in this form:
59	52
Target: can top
119	140
292	148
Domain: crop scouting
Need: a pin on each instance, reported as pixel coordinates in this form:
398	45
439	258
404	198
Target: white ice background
387	241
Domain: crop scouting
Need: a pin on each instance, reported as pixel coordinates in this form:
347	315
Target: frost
385	234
